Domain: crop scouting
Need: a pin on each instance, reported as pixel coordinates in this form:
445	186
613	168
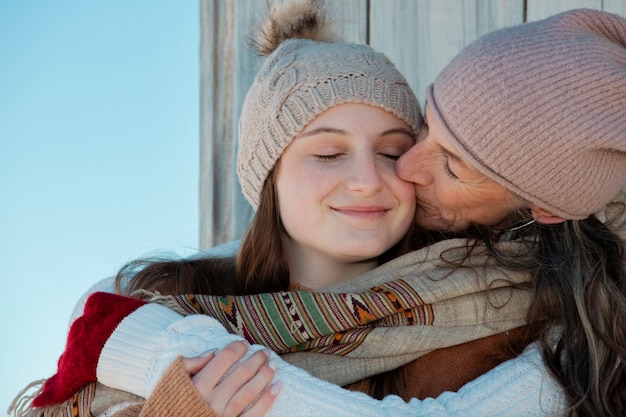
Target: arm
519	387
148	340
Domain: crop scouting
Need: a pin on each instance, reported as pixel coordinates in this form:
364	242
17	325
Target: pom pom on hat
87	336
306	72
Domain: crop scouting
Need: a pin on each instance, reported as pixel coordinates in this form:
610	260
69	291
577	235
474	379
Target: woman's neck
315	270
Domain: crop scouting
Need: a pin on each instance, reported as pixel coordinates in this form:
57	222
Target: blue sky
98	158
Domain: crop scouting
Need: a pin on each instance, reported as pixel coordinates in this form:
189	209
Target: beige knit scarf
379	320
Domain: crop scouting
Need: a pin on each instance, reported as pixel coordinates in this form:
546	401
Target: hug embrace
469	261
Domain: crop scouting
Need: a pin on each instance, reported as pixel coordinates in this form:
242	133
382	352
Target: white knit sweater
517	388
146	342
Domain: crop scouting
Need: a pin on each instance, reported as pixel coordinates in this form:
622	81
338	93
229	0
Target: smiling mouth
362	212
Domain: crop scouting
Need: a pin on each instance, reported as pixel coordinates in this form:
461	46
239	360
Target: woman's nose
364	177
413	166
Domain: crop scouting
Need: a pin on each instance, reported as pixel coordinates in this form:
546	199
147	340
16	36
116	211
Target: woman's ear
544	216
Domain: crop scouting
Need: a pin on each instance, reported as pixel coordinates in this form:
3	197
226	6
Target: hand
232	388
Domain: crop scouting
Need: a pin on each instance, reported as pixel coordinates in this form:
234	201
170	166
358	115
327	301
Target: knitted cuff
147	342
175	394
126	358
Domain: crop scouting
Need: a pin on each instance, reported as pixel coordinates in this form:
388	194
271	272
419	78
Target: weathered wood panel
349	18
419	36
615	6
228	67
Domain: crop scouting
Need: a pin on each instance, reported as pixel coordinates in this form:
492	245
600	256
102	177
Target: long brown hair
581	285
261	261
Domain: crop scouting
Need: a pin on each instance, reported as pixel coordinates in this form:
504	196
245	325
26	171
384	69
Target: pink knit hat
540	108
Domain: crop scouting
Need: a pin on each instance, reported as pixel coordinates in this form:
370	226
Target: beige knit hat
541	109
302	78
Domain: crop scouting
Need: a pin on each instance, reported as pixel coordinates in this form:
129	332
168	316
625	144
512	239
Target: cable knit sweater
518	387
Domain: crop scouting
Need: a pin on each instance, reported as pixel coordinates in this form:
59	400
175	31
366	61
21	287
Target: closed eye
390	156
327	157
446	167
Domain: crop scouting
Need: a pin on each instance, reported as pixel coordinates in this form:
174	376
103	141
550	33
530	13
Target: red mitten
87	336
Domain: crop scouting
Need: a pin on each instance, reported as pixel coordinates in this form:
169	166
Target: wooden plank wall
420	37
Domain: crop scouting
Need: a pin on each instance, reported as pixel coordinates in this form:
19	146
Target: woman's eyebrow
318	130
323	130
395	130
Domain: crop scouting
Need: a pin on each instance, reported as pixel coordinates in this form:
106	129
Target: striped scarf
333	323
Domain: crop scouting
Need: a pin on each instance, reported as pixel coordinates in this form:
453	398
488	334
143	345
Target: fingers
193	365
207	378
262	405
248	380
230	387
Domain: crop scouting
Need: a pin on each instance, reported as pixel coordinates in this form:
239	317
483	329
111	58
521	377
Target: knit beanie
540	108
301	78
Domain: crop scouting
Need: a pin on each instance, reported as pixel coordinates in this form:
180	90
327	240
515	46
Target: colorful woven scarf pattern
80	404
304	320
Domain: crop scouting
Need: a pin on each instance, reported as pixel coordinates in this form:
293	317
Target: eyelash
336	156
390	157
327	157
446	167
